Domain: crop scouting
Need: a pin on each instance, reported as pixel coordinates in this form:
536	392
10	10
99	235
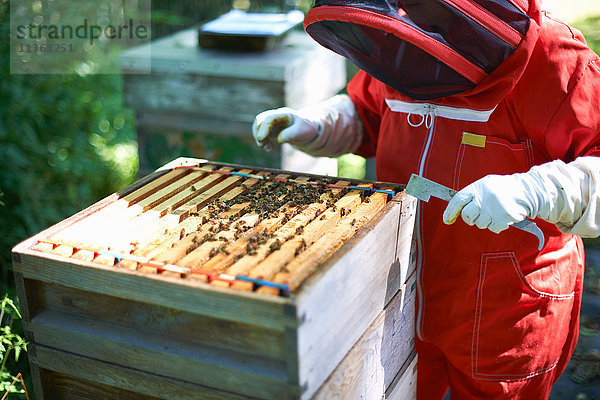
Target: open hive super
230	227
214	281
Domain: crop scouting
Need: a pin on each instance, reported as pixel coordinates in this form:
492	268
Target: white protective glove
564	194
330	128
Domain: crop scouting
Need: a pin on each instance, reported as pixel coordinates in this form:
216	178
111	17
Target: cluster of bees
266	200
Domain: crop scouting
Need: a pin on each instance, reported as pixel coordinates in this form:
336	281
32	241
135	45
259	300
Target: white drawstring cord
429	119
426	117
410	114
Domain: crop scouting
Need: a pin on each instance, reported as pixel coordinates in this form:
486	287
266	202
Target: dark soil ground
581	380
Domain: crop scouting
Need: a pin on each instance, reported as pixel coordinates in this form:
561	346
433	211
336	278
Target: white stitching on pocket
478	312
521	147
533	290
458	166
508	146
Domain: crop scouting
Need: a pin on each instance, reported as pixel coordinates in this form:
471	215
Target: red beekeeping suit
496	318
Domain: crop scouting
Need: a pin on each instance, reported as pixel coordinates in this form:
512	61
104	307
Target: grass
590	27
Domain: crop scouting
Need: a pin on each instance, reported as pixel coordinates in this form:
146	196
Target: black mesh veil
425	49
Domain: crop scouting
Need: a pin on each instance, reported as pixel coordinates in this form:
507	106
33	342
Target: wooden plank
125	236
181	254
180	251
192	198
78	377
105	259
168	238
291	355
22	292
373	362
65	224
98	231
84	255
308	261
164	121
124	233
83	231
238	248
180	248
69	387
44	247
172	189
190	224
244	265
191	204
342	283
63	250
162	321
273	312
314	230
155	185
203	255
200	255
190	207
267	226
43	388
299	94
212	98
95	231
220	369
143	181
404	386
179	52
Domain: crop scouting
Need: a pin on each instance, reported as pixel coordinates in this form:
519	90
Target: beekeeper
501	101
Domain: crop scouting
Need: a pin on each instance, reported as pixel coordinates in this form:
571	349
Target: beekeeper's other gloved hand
330	128
564	194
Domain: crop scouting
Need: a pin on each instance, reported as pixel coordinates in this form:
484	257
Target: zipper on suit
429	113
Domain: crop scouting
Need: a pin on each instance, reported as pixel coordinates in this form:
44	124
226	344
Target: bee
276	245
300	248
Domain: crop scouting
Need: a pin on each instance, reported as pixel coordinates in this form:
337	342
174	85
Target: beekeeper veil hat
425	49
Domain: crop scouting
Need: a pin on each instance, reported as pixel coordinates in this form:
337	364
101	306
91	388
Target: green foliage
65	142
351	166
590	27
11	345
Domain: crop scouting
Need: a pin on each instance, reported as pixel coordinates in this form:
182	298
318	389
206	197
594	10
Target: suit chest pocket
480	155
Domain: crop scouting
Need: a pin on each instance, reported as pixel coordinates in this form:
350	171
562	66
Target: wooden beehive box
201	101
122	300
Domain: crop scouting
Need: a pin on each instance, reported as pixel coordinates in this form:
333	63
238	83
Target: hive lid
239	30
241	23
